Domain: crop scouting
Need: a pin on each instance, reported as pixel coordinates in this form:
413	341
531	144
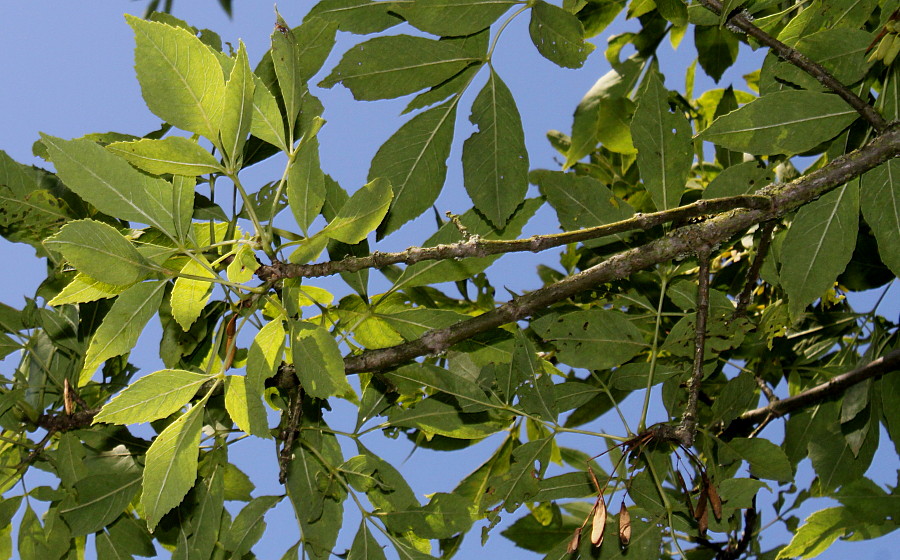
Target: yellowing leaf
151	397
83	288
362	213
189	296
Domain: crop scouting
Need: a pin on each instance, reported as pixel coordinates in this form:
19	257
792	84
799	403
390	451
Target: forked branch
742	21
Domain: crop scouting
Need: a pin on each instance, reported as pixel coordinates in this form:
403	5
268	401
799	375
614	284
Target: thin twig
833	387
688	427
743	299
474	246
742	21
764	387
784	197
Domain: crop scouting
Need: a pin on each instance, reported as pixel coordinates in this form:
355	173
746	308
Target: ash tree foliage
708	242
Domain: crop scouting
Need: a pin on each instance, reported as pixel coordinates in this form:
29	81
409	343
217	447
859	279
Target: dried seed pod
701	504
687	495
594	480
68	400
576	540
714	501
599	521
624	525
703	523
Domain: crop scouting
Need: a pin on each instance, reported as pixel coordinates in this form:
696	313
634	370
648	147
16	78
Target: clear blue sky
67	70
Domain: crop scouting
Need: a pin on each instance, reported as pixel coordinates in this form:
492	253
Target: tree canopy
704	247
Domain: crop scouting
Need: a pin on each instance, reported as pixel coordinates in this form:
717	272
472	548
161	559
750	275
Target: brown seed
599	521
701	505
714	501
573	544
68	401
624	525
594	480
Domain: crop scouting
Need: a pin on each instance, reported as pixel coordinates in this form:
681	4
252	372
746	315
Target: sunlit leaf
151	397
171	465
180	78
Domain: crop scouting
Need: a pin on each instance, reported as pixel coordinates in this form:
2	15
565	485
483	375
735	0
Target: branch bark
742	21
831	388
479	247
683	241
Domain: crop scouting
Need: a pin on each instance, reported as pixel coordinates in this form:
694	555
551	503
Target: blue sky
67	70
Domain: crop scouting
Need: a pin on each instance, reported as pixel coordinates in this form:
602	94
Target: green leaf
241	269
832	457
362	17
306	184
841	51
100	500
598	109
189	296
470	397
428	272
319	514
387	67
558	35
182	204
536	395
122	325
110	184
592	339
818	532
267	123
362	213
570	485
152	397
784	122
674	11
743	178
880	205
101	252
364	546
175	155
249	525
663	141
435	417
180	77
717	49
581	202
263	359
171	465
520	482
453	18
288	68
414	160
495	161
766	459
318	361
315	39
819	245
32	539
237	116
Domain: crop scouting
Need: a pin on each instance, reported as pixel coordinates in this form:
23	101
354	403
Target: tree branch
478	247
833	387
743	299
784	198
688	427
741	20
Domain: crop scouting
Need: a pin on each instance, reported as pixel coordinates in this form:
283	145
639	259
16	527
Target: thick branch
831	388
683	241
479	247
741	20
